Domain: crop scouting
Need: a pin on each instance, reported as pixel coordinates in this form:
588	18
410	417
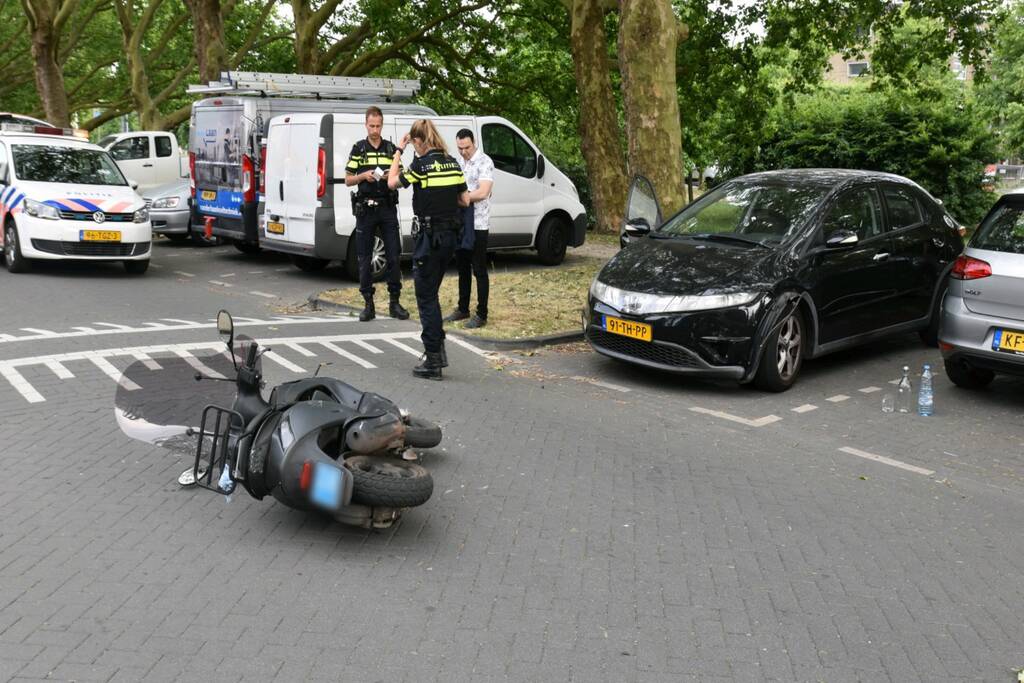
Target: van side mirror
540	166
842	239
638	227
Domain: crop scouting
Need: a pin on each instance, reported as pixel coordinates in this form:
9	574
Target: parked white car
64	198
149	159
308	212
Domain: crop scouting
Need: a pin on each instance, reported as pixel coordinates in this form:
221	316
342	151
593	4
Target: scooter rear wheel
388	482
420	433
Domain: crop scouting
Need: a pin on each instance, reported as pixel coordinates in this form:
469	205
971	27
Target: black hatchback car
772	268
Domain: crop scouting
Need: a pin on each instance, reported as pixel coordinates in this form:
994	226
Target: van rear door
218	143
293	182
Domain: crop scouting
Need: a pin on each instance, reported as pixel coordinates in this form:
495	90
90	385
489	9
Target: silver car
982	327
168	209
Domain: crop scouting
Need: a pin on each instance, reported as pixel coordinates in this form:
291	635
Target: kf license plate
1011	341
276	228
628	328
327	483
99	235
209	195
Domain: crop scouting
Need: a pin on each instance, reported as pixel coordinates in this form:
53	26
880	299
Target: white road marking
219	283
351	356
283	362
369	347
146	360
23	387
838	398
113	326
113	373
263	294
759	422
805	408
606	385
155	265
894	381
181	272
226	275
59	370
469	347
199	365
255	272
302	350
407	349
281	270
164	327
869	390
887	461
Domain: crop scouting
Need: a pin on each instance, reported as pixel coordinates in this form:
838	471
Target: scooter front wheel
420	433
388	482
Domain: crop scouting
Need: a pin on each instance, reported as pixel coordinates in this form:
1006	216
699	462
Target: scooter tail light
970	268
307	475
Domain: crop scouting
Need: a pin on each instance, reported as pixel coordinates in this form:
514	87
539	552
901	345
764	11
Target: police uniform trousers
432	254
384	216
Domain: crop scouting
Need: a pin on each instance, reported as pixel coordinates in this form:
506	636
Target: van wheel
551	241
309	264
15	262
378	259
783	355
247	247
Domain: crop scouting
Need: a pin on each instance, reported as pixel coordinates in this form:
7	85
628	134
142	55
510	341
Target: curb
487	342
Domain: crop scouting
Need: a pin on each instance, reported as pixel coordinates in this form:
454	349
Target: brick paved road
578	532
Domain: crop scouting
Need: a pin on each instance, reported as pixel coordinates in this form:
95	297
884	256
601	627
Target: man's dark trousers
430	259
474	264
385	216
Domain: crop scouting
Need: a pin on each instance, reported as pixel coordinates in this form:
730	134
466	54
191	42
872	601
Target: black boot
444	356
396	310
368	312
430	368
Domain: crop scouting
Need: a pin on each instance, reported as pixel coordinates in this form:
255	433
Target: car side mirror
134	184
638	227
3	172
842	239
540	166
226	327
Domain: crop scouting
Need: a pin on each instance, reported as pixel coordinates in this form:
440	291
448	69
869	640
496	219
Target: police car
64	198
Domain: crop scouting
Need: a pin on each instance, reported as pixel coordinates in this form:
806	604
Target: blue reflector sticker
326	491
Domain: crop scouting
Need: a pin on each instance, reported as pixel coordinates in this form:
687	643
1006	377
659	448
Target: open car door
643	212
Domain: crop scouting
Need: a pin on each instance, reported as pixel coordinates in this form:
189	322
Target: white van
308	211
147	158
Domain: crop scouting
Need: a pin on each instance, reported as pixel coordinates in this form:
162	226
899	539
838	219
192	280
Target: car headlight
141	216
639	303
40	210
165	203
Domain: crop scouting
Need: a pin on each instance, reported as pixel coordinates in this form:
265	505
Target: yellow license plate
209	195
628	328
276	228
1009	340
101	236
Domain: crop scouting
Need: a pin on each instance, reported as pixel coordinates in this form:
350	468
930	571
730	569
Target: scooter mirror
226	326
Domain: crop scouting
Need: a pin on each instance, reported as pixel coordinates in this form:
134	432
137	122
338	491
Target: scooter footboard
218	432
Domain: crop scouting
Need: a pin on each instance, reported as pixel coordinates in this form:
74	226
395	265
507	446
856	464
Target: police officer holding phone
439	190
375	207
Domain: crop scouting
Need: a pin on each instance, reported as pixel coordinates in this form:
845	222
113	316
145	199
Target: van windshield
218	142
53	164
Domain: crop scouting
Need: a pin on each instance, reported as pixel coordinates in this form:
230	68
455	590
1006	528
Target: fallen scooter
317	444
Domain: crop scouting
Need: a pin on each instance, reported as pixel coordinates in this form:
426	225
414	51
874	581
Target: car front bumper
170	222
44	239
967	336
712	343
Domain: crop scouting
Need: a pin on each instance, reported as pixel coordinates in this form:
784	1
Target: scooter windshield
159	401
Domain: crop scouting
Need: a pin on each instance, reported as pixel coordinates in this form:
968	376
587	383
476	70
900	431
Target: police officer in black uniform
439	189
375	205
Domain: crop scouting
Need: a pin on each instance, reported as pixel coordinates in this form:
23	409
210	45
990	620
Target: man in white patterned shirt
479	171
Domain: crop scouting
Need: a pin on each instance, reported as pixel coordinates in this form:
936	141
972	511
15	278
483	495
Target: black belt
375	201
439	224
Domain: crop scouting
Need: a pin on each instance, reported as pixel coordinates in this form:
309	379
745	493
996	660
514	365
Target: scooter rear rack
215	427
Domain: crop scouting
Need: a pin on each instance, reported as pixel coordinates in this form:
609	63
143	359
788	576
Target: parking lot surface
590	521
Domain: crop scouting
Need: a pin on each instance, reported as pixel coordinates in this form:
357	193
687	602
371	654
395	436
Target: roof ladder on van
301	85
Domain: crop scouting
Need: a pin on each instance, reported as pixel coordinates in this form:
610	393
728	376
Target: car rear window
1002	230
46	164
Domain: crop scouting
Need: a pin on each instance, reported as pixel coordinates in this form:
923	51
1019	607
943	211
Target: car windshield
748	211
53	164
1003	230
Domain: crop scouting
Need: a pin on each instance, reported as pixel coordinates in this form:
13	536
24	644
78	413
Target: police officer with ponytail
439	190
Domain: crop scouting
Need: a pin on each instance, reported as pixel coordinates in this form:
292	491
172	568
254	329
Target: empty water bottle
926	395
904	391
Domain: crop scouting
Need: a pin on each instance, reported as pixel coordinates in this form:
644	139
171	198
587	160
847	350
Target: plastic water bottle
904	390
926	395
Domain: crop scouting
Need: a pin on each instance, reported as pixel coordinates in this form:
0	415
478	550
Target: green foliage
1001	89
929	134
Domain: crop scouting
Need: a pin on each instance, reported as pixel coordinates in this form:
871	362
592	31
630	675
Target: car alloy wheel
378	259
9	245
789	348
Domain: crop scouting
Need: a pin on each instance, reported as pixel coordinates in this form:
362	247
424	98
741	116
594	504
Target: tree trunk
208	37
49	75
307	56
648	35
601	138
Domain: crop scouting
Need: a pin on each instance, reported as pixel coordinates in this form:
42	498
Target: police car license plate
1008	340
209	195
99	235
628	328
276	228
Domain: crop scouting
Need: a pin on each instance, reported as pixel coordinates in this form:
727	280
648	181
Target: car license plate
99	235
209	195
628	328
327	482
1011	341
276	228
